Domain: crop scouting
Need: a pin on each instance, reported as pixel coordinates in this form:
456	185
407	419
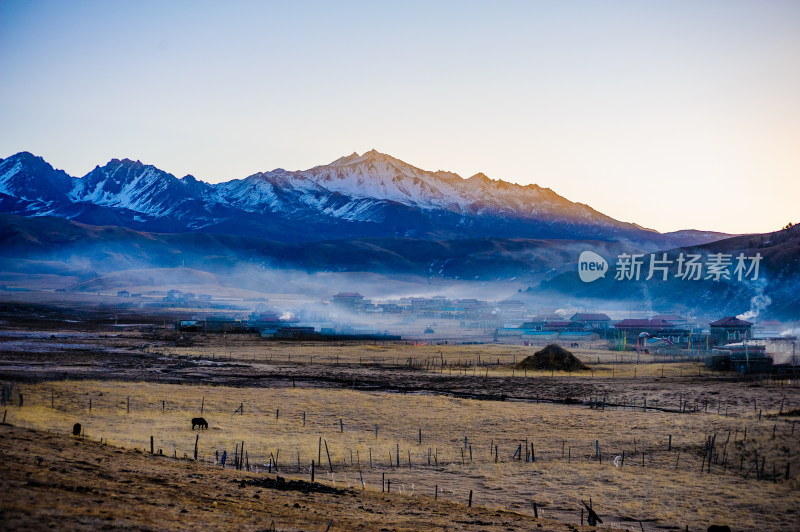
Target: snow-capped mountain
366	195
373	176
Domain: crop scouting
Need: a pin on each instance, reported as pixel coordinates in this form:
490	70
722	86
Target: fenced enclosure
633	458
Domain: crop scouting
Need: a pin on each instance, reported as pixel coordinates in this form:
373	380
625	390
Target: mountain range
356	196
369	213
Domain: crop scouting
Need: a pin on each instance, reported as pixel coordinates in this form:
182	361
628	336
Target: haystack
552	357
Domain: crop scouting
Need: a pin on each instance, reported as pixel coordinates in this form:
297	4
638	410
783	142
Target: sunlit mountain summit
367	195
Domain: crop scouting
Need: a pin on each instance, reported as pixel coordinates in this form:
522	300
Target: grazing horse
199	422
76	429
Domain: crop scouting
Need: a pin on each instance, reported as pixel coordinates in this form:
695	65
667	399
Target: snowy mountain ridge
372	194
377	176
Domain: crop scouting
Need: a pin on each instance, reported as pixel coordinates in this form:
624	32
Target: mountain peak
347	159
368	194
126	162
26	155
370	156
375	155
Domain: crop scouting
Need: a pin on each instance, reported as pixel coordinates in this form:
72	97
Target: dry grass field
631	433
660	486
52	481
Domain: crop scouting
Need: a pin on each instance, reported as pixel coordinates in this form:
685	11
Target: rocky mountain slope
774	288
357	196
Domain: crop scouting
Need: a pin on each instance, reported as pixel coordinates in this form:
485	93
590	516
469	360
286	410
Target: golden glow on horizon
673	116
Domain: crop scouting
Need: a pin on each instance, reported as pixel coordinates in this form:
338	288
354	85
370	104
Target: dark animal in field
199	422
719	528
76	429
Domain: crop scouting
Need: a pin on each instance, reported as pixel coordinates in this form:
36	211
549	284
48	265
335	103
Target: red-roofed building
591	321
654	325
667	317
633	328
673	319
730	330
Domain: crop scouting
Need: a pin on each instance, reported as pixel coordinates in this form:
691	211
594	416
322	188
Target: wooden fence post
330	465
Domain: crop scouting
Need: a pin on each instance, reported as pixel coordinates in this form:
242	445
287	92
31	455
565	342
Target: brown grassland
52	481
443	410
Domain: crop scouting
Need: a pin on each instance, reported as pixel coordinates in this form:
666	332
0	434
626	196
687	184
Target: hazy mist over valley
370	224
411	265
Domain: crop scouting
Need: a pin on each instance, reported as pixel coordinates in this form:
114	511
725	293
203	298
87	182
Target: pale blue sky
668	114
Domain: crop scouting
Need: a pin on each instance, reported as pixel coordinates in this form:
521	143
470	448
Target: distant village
726	342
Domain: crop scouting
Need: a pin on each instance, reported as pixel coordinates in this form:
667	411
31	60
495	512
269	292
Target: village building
217	324
674	319
512	310
562	326
591	321
740	358
729	330
654	328
535	324
352	301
